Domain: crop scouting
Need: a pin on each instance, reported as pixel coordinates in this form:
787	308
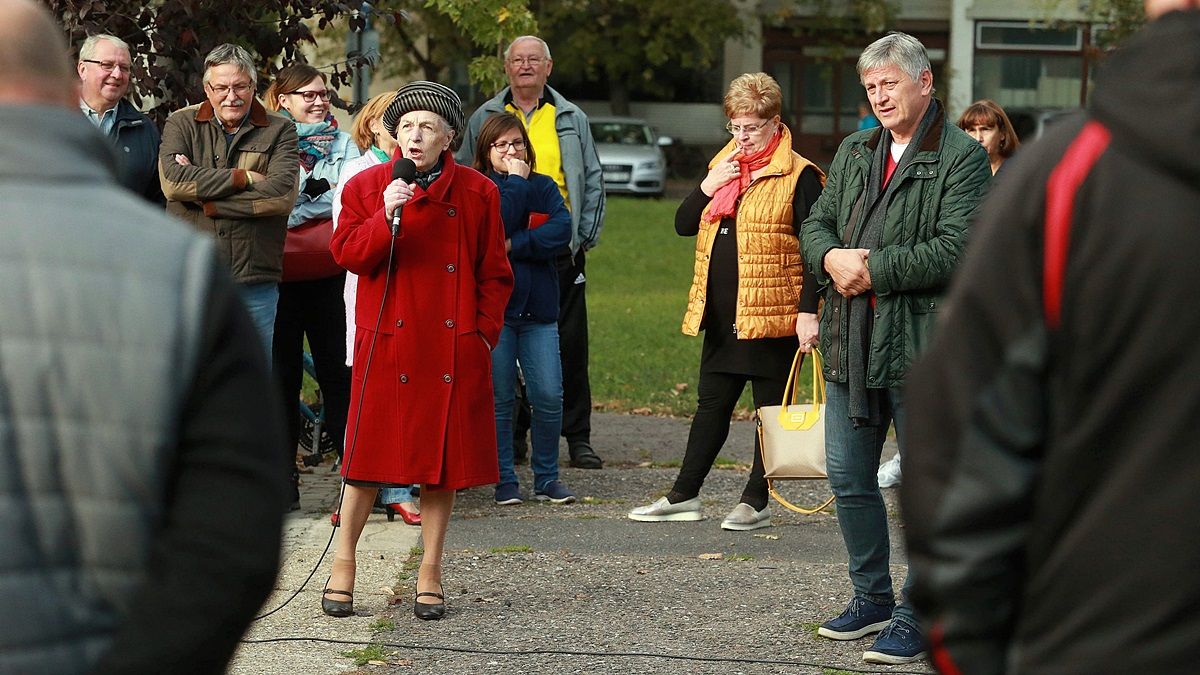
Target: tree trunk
618	97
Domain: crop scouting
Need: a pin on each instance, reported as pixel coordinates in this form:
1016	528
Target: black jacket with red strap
1051	469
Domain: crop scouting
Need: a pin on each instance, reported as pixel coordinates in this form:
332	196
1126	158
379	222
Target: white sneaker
889	472
744	517
663	510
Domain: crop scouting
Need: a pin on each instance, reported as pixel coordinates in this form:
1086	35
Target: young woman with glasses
537	227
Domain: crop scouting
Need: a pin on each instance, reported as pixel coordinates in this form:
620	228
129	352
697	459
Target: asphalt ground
580	588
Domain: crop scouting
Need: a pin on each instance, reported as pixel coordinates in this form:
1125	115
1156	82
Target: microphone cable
387	283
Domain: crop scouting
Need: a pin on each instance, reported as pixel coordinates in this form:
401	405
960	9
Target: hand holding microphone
399	191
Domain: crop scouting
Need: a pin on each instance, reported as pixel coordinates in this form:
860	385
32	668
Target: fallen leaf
404	663
376	662
712	556
681	387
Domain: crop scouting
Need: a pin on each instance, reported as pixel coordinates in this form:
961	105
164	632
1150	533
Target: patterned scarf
724	201
316	139
426	178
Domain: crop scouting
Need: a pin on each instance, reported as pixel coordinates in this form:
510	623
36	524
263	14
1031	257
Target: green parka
924	235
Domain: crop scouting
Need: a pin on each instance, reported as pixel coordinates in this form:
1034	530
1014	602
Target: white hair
88	49
545	47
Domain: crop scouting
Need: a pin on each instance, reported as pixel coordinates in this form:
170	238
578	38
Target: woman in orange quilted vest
751	294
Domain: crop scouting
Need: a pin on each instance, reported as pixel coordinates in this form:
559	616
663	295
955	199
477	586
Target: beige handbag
792	435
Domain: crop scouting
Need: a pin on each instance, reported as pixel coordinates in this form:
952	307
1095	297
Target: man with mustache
228	167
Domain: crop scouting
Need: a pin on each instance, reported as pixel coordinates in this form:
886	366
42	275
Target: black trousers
313	308
717	396
573	345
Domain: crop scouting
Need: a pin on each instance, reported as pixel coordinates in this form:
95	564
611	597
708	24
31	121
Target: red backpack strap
1061	187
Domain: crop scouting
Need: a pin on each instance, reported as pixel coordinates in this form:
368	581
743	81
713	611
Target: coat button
399	323
449	323
450	268
450	212
403	379
447	377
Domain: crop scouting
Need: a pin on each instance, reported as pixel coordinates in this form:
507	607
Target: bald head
34	57
1156	8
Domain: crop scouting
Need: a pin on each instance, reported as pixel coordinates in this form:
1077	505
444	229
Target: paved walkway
619	596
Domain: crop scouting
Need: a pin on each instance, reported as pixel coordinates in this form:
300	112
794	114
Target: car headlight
648	165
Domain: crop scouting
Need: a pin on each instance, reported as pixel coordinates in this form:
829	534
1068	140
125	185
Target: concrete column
960	62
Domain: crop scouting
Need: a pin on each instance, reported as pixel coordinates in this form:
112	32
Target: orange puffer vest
769	262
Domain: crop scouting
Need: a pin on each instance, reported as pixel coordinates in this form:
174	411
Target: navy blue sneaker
508	494
898	643
554	492
862	617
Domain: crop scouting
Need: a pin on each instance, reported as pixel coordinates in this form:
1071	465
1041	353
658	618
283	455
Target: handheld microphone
406	170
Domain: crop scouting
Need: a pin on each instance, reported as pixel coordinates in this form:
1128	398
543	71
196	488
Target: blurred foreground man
1050	489
139	433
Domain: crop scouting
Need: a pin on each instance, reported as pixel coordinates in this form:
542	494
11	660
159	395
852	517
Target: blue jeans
396	495
262	301
535	345
852	460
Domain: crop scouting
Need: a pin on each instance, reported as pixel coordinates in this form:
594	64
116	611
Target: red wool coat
426	414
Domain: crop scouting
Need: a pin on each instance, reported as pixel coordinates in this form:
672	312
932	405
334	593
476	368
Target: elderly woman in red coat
430	306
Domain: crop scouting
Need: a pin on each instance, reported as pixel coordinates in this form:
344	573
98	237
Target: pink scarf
724	202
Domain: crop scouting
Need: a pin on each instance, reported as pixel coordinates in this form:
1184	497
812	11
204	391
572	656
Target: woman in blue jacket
537	227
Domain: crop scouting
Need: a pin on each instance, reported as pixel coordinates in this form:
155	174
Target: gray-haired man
104	68
229	168
883	240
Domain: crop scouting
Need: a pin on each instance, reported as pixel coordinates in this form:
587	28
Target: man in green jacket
229	167
882	241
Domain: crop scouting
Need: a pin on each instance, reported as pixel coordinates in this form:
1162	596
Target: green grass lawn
638	281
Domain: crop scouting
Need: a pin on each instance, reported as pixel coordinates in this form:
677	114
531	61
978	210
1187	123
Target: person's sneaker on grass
508	494
898	643
663	510
861	617
555	493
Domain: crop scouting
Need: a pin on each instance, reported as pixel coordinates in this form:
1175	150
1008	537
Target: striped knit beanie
422	95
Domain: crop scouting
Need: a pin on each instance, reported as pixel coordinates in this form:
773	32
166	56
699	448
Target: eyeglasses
751	129
223	91
527	60
310	96
109	66
503	146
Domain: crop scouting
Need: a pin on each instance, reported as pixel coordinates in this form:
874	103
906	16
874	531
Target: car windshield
622	133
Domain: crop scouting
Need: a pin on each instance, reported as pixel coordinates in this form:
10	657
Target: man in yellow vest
562	141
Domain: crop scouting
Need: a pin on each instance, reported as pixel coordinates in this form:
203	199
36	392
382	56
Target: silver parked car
631	153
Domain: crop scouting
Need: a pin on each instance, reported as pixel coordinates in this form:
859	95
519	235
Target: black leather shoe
428	611
338	608
583	457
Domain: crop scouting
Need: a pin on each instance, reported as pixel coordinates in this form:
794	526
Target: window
1023	65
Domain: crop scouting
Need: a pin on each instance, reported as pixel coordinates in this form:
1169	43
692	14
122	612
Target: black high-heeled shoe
428	611
337	608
